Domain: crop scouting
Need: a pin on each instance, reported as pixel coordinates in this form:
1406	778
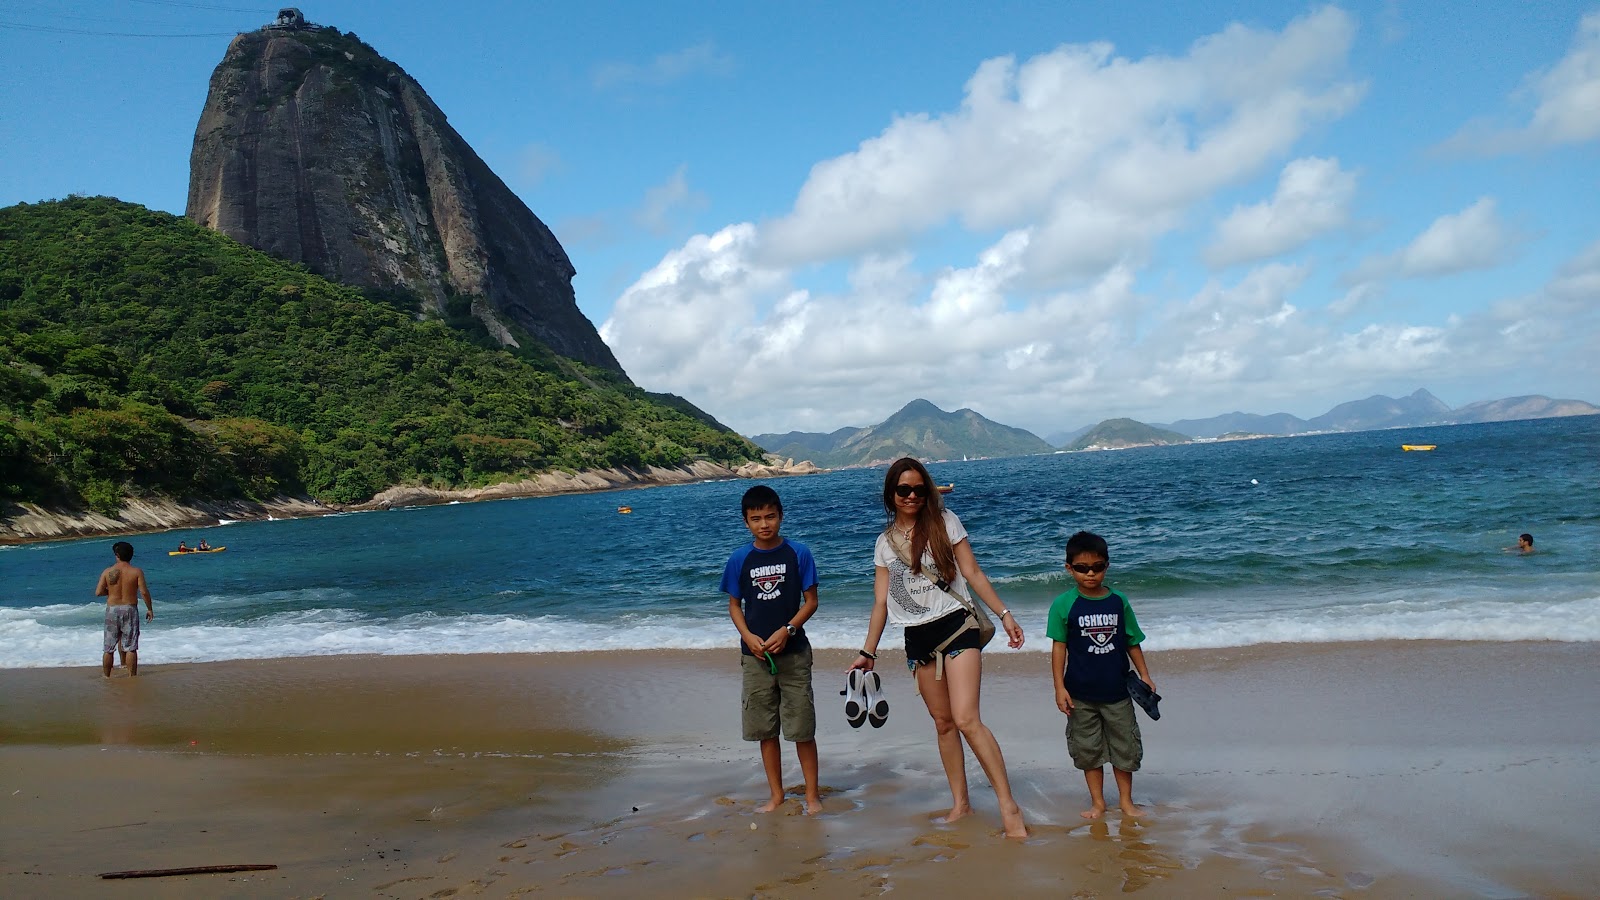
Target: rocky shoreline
25	523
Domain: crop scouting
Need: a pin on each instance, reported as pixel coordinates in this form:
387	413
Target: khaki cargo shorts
1098	733
782	699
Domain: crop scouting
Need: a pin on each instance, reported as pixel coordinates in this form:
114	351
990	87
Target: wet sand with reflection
1390	769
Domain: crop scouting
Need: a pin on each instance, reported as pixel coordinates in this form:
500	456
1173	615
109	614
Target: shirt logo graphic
768	580
906	590
1101	628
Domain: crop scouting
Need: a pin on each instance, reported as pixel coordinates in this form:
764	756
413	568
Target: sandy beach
1363	770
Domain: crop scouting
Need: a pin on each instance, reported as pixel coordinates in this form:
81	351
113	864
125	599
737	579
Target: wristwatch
792	630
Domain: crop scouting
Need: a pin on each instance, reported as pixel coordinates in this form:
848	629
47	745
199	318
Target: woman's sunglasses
906	490
1088	568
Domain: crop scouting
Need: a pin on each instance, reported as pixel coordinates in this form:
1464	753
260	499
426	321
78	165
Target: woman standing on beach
921	560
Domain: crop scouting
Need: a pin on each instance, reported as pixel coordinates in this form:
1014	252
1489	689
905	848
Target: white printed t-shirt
914	599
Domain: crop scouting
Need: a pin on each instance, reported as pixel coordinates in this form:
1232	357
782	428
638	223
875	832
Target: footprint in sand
876	863
390	884
946	841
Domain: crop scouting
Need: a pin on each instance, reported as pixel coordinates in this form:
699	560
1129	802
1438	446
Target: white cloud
1566	100
666	68
1312	199
1556	326
1474	238
1376	352
1068	169
1223	334
1100	152
664	201
1077	160
1569	94
1577	284
715	324
693	316
1359	297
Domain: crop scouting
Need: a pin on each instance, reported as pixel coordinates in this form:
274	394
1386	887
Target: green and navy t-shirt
1098	632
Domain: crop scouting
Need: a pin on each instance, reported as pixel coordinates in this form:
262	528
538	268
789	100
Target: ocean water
1308	539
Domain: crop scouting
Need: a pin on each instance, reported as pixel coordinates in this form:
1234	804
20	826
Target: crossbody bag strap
899	544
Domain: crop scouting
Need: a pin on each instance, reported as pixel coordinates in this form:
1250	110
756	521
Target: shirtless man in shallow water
122	585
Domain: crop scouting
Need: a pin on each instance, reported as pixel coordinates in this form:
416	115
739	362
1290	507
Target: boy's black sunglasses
1088	568
906	490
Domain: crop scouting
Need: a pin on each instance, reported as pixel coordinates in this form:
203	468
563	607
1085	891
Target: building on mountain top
289	19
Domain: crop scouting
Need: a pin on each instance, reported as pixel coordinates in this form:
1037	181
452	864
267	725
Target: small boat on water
1418	446
947	488
624	510
192	551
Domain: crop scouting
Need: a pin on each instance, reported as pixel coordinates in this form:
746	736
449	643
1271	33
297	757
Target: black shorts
922	639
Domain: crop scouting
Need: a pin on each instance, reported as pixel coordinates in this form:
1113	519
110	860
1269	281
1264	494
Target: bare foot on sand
1012	820
955	813
813	806
770	805
1128	809
1093	812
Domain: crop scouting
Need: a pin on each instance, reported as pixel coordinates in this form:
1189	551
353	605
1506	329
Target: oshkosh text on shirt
768	579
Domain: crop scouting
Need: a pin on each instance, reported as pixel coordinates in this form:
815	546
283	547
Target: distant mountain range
925	431
919	429
1418	409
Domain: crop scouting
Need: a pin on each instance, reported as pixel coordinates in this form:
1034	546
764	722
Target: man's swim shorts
122	629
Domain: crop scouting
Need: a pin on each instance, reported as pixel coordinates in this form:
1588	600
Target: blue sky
802	216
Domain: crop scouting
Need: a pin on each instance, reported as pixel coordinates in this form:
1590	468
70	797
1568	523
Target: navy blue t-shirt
771	585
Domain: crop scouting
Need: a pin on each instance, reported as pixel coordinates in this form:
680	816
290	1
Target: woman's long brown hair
928	533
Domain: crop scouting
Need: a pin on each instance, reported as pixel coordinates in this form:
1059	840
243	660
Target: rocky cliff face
316	149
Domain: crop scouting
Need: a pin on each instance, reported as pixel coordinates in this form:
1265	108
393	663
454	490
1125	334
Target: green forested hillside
143	354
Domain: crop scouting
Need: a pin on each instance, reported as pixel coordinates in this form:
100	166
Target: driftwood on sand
189	870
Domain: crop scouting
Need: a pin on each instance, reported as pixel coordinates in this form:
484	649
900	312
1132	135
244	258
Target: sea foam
69	635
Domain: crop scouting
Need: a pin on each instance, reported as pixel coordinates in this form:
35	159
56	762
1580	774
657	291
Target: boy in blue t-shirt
771	585
1095	637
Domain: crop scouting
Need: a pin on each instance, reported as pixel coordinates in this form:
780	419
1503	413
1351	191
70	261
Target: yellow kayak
188	552
1418	446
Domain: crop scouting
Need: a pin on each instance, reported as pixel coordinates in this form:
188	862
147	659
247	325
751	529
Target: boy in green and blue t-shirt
1095	637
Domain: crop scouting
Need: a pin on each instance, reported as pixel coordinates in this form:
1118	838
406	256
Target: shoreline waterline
28	523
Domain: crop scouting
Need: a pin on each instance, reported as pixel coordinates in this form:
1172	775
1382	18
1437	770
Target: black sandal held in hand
855	697
877	703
